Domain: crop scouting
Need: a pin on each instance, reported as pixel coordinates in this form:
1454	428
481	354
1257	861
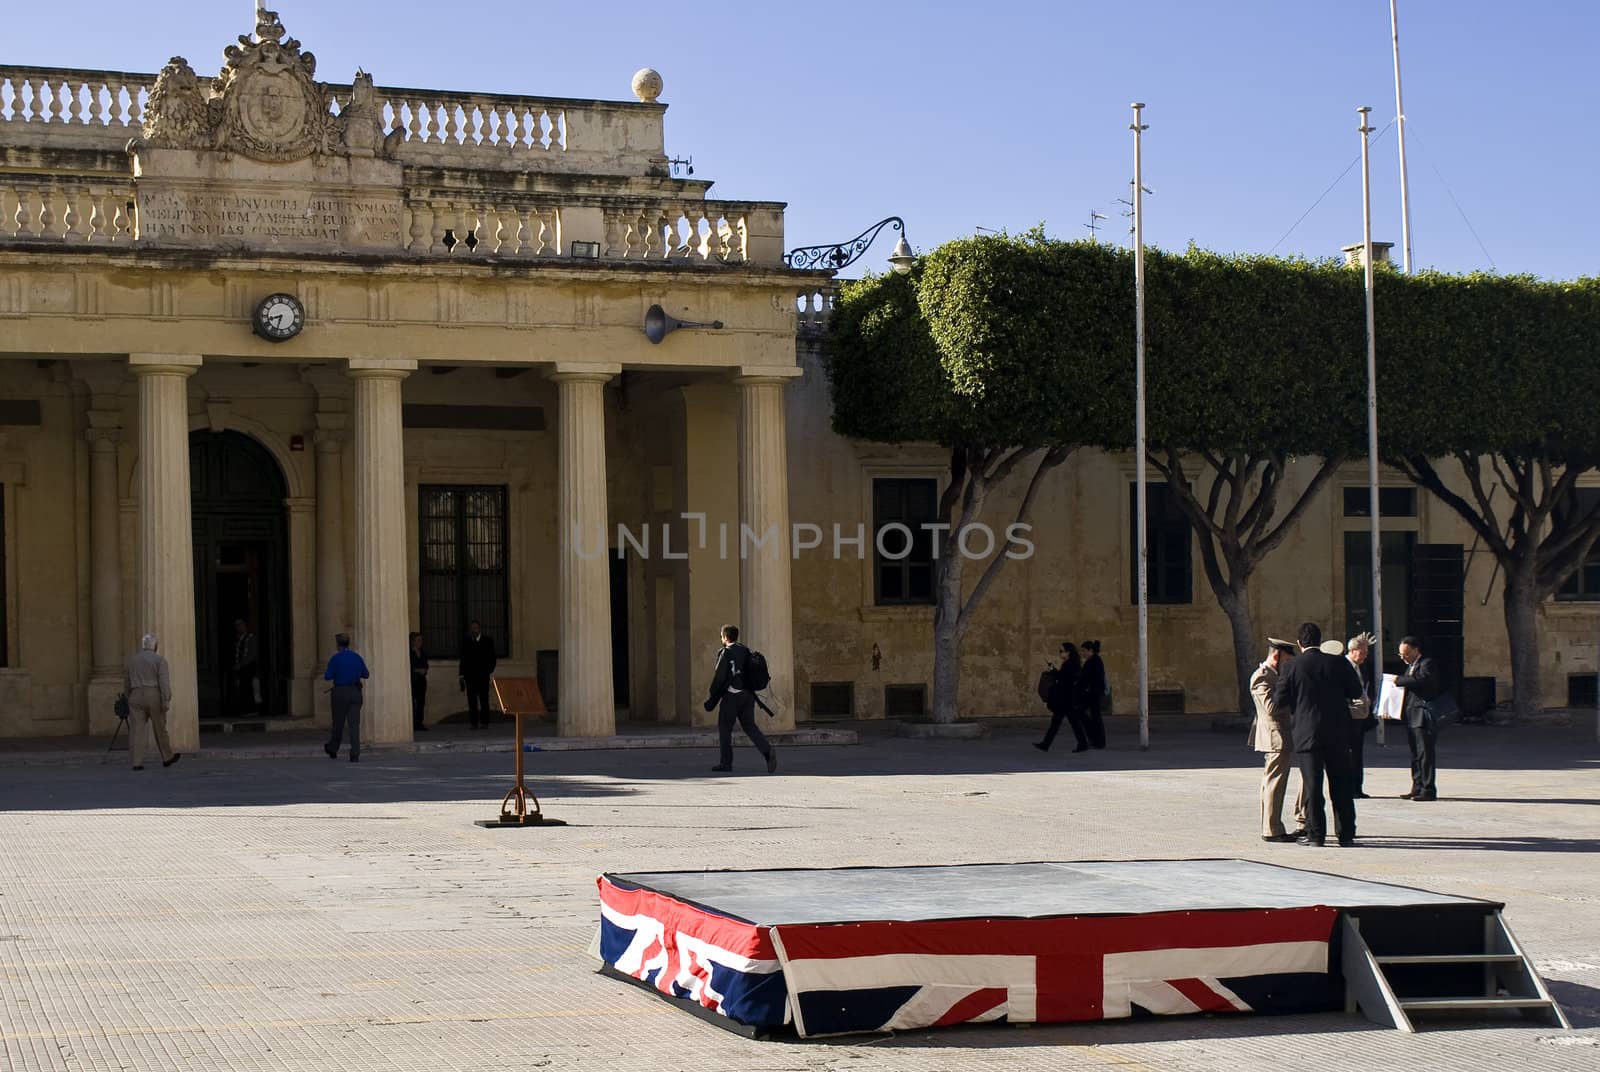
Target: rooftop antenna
1094	220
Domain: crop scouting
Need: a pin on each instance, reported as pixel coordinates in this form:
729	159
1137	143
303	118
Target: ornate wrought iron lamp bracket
843	254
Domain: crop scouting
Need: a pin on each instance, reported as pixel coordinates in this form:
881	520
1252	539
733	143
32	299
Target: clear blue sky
1006	113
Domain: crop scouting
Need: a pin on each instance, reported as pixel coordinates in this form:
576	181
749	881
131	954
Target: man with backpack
740	674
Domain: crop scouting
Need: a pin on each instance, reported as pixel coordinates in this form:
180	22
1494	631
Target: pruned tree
1495	374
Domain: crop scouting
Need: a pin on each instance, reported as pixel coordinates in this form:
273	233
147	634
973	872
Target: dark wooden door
1438	582
240	569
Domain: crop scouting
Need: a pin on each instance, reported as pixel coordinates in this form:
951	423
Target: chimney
1380	254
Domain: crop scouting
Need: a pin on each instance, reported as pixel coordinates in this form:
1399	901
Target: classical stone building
470	385
336	357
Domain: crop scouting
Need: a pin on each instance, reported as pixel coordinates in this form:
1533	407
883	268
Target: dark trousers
738	707
1074	719
346	715
1358	764
1093	725
1334	764
419	701
1424	759
244	689
477	700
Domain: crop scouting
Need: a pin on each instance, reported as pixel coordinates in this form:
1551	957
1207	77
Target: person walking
347	670
1317	689
419	683
738	703
1093	691
1422	684
1064	701
147	682
477	667
1272	735
1359	652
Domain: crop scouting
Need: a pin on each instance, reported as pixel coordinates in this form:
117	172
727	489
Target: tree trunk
1522	631
947	638
1246	644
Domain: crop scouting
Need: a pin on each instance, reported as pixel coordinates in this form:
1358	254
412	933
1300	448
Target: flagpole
1143	550
1372	415
1400	127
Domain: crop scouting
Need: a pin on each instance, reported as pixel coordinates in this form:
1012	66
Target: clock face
279	317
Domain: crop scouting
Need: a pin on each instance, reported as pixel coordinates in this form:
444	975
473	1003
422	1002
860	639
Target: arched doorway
241	571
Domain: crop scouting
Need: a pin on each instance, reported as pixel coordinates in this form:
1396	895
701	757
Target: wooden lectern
519	697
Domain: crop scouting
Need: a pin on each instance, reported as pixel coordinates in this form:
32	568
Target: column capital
103	439
583	372
764	375
384	368
185	365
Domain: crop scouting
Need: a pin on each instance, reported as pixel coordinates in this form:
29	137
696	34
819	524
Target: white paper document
1392	700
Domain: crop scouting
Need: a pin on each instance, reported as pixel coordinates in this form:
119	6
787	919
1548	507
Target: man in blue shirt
346	670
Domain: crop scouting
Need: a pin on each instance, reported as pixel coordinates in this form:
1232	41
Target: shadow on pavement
1493	844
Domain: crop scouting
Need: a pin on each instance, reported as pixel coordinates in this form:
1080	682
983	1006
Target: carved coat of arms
266	104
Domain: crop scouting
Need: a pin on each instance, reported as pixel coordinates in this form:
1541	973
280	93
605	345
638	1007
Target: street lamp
843	254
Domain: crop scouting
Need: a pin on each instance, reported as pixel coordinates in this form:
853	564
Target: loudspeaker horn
658	325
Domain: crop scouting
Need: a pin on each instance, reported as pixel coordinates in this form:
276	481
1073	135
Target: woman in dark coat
1092	686
1063	701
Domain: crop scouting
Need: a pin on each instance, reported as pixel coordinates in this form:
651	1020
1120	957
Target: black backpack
755	675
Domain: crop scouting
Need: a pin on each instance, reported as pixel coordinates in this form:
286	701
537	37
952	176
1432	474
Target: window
463	568
832	700
1171	575
905	701
3	652
1392	502
1584	584
1582	691
905	574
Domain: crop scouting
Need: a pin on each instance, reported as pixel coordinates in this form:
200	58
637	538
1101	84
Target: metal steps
1396	967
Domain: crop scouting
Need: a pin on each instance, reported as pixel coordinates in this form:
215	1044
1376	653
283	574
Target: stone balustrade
65	209
49	106
59	106
459	225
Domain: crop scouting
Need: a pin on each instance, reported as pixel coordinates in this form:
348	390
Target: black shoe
1281	838
772	761
1347	842
1081	748
1431	796
354	758
333	753
1308	840
1298	833
1409	796
140	767
722	767
1041	746
1363	796
175	757
419	728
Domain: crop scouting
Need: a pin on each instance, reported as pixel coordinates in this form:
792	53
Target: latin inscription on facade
273	220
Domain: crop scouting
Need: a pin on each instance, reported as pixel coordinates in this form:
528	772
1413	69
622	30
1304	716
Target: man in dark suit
477	666
1316	689
1422	684
735	702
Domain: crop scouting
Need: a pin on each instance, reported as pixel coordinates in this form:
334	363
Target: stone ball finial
647	85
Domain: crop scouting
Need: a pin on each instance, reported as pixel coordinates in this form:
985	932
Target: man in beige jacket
1270	735
148	684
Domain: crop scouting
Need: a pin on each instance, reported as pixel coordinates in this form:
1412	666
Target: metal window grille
832	700
462	573
3	649
905	701
912	502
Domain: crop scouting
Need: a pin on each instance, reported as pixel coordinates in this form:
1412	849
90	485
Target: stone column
166	530
766	615
332	615
380	611
586	705
108	646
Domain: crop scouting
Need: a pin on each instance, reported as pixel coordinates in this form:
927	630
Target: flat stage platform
845	950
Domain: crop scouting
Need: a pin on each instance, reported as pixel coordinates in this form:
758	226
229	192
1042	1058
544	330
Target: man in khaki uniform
1270	735
148	685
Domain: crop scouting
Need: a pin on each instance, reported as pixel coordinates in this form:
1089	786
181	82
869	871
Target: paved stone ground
307	915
